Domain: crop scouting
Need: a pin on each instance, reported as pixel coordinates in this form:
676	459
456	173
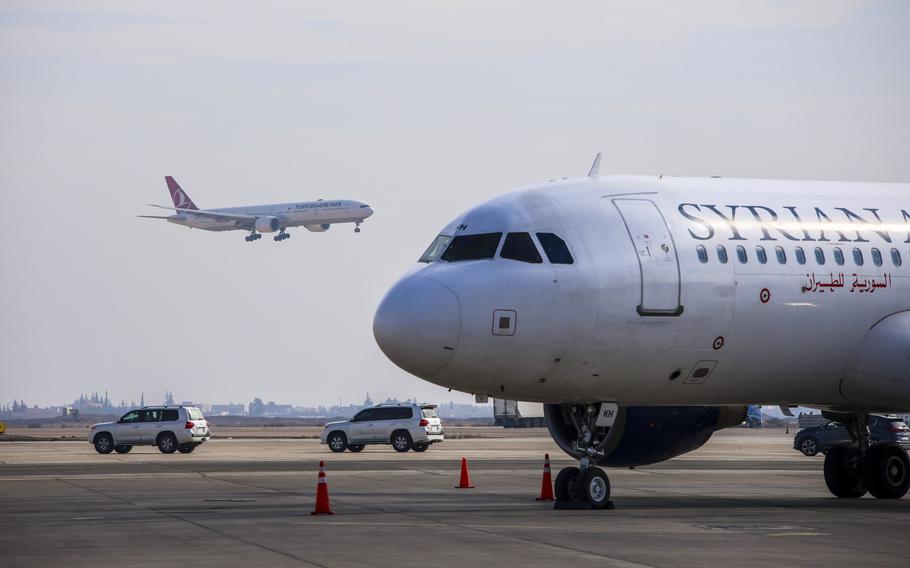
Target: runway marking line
798	534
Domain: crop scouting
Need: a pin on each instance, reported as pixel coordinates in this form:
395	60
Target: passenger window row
387	413
151	415
761	256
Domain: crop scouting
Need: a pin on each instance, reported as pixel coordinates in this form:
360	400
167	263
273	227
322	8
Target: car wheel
809	446
104	443
567	484
401	441
186	448
121	449
421	447
167	443
337	442
356	448
886	471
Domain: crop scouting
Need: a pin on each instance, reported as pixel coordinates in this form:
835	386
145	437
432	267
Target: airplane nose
418	325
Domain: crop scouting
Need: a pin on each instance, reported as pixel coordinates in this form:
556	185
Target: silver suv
405	426
171	428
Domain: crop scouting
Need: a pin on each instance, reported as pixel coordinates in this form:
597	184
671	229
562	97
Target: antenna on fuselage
595	167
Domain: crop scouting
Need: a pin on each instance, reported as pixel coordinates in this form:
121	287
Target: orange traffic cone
546	484
322	494
465	482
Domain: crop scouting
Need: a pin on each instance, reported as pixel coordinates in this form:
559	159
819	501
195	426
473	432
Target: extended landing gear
582	489
586	486
253	236
853	468
281	236
356	227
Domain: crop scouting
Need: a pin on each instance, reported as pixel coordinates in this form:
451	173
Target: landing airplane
648	312
316	216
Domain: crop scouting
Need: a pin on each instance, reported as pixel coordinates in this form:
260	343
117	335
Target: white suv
405	426
171	428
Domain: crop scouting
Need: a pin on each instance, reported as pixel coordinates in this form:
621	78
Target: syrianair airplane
648	312
316	216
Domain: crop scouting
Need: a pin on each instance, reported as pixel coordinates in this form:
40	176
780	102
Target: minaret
142	399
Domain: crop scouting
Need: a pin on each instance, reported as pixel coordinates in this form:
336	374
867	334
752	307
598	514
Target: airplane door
656	253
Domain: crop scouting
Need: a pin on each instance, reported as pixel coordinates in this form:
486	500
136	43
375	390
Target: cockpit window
555	248
435	249
472	247
519	246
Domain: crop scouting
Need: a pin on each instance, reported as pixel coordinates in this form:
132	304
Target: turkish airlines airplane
316	216
648	312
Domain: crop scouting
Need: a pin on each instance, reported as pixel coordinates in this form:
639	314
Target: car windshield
472	247
435	249
194	414
429	412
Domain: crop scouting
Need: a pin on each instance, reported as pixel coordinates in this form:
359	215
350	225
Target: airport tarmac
746	498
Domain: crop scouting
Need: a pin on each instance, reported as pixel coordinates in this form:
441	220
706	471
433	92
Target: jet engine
640	435
318	228
267	224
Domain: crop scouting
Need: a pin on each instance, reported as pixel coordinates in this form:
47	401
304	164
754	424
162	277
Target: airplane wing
236	217
153	216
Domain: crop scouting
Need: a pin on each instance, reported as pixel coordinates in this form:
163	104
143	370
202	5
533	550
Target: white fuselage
315	215
640	319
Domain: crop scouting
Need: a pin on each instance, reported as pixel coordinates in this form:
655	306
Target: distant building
230	409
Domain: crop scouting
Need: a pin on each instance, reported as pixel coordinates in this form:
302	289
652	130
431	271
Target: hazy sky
421	109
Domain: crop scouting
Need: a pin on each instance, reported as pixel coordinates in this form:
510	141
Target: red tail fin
181	199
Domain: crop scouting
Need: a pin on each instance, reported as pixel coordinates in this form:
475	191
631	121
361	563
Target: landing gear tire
401	441
567	484
121	449
356	448
595	487
421	447
886	471
337	442
809	447
104	443
843	473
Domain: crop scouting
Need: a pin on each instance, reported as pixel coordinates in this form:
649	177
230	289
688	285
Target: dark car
818	439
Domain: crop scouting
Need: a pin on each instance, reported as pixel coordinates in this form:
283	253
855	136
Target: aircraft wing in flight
236	217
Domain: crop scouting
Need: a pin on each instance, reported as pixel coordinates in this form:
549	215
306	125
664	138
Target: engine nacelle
267	224
643	435
318	228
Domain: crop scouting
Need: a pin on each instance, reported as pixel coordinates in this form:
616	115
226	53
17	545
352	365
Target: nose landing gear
586	486
356	227
853	468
